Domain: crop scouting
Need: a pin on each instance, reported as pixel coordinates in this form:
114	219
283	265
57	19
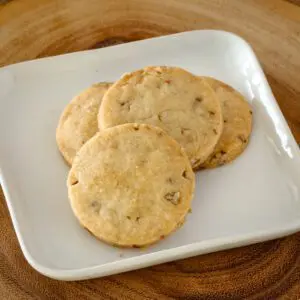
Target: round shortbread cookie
78	122
171	98
131	185
237	116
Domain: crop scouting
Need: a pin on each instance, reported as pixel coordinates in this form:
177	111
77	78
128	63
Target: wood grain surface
38	28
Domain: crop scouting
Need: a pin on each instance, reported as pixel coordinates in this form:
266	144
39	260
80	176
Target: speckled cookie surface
237	116
78	122
171	98
131	185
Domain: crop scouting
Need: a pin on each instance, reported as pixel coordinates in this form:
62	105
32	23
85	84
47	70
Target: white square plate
255	198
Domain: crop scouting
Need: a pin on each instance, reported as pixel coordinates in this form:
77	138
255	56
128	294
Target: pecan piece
173	197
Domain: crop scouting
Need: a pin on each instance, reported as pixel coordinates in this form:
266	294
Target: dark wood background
36	28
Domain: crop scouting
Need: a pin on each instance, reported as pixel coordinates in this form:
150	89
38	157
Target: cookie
78	122
131	185
237	116
171	98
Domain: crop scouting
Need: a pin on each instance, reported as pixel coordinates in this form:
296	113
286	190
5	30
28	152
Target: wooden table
38	28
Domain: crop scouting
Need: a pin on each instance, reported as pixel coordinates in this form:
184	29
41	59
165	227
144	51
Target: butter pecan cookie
78	122
237	116
180	103
131	185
